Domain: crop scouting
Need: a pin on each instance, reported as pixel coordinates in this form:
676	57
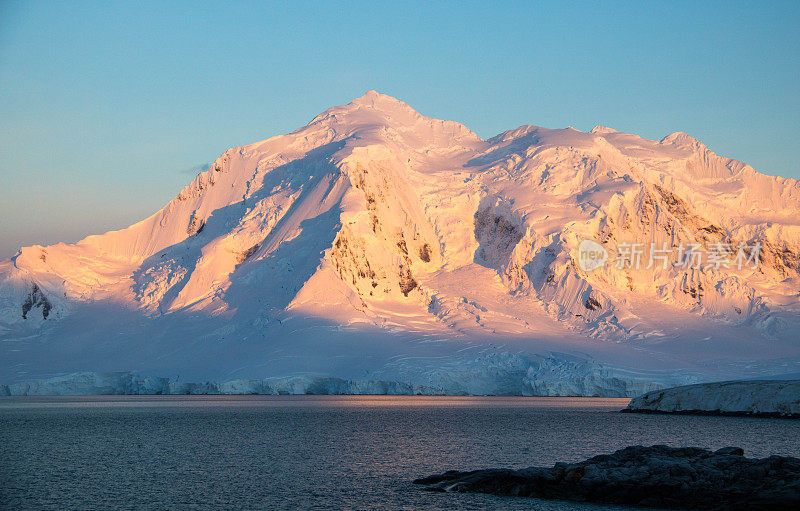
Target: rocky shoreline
658	477
717	413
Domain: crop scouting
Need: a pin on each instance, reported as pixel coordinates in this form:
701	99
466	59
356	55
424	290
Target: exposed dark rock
713	229
244	256
657	476
36	298
592	304
425	253
497	236
402	246
195	224
407	282
675	205
785	261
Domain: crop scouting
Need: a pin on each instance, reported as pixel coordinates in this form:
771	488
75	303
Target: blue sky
107	109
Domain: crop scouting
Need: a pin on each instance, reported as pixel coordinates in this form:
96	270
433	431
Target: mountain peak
367	108
375	110
372	96
603	130
680	138
375	100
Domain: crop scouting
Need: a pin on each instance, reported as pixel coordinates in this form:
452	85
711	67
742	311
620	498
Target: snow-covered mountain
379	250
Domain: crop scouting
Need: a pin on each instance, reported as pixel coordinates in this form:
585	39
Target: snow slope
376	246
745	397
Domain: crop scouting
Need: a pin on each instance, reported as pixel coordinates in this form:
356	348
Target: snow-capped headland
779	398
376	249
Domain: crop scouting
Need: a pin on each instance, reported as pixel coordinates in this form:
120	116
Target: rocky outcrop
657	476
36	299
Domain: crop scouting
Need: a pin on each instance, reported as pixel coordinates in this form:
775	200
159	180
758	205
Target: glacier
376	250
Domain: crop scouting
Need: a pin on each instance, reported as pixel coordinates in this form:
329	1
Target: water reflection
309	401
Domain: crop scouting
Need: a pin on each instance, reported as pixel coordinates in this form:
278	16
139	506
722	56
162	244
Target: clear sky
107	109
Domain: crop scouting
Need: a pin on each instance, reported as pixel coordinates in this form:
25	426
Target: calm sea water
314	452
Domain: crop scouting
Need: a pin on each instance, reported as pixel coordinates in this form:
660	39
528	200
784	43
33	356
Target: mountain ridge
373	216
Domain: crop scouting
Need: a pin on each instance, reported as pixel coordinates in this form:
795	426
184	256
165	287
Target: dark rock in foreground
657	476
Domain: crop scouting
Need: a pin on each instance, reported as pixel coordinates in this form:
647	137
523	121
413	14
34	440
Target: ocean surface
320	452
